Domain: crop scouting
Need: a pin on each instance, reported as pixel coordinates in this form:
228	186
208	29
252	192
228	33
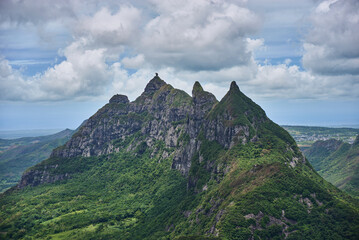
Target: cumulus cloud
198	35
84	73
331	47
111	30
183	36
116	48
134	62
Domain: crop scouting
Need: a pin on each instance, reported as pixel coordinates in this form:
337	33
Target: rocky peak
202	97
197	89
155	84
235	103
165	114
118	98
234	87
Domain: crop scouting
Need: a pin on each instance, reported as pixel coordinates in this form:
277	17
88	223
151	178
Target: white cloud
198	35
134	62
185	41
12	84
331	47
254	44
109	29
84	73
324	6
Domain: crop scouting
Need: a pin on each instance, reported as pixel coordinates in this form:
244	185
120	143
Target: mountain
173	166
16	155
337	162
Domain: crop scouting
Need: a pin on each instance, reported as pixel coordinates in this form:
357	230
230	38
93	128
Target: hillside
16	155
337	162
173	166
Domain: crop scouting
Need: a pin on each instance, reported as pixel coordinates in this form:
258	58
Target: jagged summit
234	86
238	105
119	98
154	84
197	88
202	97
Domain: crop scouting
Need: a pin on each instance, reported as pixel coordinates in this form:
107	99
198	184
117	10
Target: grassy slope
321	150
342	169
340	165
19	154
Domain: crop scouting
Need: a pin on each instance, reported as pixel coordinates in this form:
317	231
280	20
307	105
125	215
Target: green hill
172	166
337	162
16	155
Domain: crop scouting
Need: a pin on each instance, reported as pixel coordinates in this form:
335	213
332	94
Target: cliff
163	113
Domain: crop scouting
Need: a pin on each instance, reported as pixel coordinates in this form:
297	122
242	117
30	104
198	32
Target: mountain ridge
337	162
17	155
236	118
172	166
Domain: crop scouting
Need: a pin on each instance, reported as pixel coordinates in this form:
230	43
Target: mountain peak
119	98
155	83
202	97
238	106
234	87
197	88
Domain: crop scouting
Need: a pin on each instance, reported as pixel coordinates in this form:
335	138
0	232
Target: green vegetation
19	154
337	162
258	188
134	196
236	104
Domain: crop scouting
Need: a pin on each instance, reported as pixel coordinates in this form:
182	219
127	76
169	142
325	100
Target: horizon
297	60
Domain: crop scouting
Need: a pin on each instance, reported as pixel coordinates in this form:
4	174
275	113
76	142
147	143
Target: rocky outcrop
160	113
163	113
37	177
118	98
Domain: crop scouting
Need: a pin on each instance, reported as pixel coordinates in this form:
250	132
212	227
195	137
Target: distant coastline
12	134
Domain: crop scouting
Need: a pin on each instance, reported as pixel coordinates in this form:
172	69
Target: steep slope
337	162
19	154
320	150
172	166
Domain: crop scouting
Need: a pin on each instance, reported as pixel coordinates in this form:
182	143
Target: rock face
118	98
37	177
163	113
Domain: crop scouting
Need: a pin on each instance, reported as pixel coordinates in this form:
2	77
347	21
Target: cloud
331	47
84	73
134	62
198	35
201	35
35	11
116	47
110	30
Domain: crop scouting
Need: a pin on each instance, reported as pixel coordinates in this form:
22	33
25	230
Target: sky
60	61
